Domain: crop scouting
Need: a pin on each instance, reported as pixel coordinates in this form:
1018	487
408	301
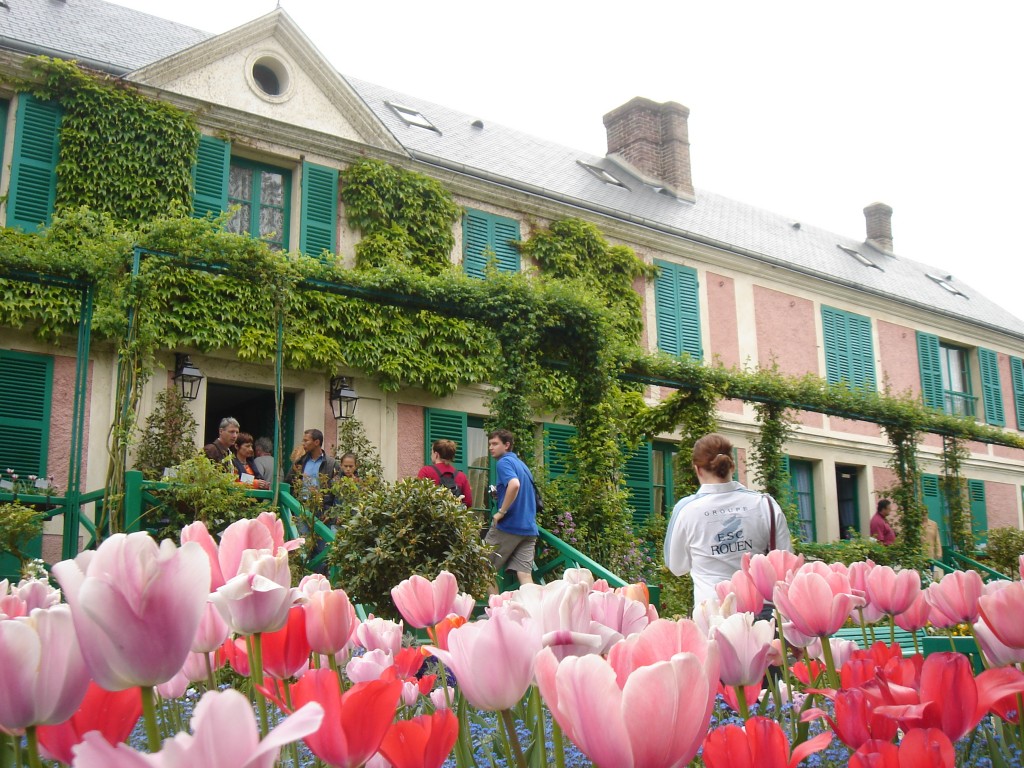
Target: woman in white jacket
710	531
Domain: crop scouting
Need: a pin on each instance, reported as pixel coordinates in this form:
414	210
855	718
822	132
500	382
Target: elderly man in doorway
220	449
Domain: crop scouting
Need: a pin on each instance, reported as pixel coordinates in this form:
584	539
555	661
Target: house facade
737	284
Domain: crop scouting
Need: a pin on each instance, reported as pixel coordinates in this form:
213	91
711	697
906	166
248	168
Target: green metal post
132	500
72	507
278	401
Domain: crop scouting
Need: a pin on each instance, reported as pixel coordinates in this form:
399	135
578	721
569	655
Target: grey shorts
511	552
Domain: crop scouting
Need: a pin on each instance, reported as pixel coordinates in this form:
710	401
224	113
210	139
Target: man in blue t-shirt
513	531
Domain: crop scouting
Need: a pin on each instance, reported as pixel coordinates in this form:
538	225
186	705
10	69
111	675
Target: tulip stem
830	664
8	746
33	747
149	717
256	673
559	742
741	701
1020	720
785	671
863	629
512	738
211	682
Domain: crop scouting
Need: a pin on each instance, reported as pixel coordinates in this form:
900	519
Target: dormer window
947	283
602	174
411	116
859	257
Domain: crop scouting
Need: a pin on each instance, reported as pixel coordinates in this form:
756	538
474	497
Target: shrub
19	524
410	527
1005	546
167	439
201	490
849	551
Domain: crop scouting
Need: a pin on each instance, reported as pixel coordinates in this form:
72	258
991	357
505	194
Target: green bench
927	644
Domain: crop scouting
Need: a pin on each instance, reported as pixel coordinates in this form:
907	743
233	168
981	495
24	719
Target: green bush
1005	546
201	490
410	527
849	551
167	439
19	524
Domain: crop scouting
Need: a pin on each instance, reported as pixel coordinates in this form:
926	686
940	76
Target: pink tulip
212	632
376	633
26	596
660	641
42	673
748	597
558	605
136	607
423	603
996	651
370	666
710	613
175	687
816	602
1020	567
916	616
955	598
859	572
439	697
579	576
330	621
616	611
656	717
1002	611
464	605
224	734
259	597
312	583
492	660
745	649
199	533
765	570
893	592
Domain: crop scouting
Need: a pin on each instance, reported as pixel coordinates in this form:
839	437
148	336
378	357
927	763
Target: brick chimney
878	217
654	139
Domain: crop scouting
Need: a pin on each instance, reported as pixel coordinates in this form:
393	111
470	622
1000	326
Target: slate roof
519	160
99	34
120	40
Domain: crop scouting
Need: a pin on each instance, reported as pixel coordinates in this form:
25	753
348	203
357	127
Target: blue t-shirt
521	517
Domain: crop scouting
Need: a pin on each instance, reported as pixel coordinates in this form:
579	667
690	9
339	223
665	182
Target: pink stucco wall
1002	452
883	478
61	418
897	351
1001	504
931	440
855	427
411	437
723	330
730	406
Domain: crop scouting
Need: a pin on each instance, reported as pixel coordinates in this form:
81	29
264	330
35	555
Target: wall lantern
343	397
186	376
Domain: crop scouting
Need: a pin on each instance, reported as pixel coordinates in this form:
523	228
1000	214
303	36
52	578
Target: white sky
808	108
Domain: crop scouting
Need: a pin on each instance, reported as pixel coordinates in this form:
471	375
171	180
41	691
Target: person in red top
880	528
443	472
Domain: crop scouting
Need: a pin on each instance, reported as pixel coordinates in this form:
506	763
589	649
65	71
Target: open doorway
848	502
254	409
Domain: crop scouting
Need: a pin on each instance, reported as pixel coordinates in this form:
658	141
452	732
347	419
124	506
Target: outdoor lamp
186	376
343	397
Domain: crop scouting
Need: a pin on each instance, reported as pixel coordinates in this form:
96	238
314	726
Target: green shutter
935	503
640	483
979	514
931	370
34	165
319	210
849	350
485	236
558	453
210	177
677	310
446	425
26	391
1017	376
991	391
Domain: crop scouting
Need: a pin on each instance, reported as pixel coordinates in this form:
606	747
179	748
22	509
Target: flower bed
212	635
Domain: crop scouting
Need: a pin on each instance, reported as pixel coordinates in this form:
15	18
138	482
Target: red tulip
920	748
286	651
423	742
1002	611
354	723
440	631
136	607
808	671
112	713
760	744
750	692
857	720
876	753
424	603
656	718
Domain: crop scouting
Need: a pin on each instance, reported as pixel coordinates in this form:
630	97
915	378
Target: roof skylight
602	174
859	257
947	283
411	116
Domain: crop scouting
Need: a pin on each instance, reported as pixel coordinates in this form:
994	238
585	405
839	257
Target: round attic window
268	76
